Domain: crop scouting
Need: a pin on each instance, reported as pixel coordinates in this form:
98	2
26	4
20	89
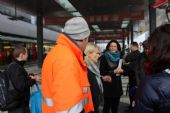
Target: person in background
130	70
91	59
112	83
146	62
154	92
143	66
1	57
65	86
20	79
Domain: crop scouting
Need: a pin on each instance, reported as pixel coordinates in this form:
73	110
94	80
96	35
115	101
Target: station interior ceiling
107	19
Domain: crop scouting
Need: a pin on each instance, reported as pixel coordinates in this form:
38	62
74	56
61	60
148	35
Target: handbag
35	101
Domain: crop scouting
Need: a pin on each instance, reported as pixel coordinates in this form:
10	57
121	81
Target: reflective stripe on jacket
64	79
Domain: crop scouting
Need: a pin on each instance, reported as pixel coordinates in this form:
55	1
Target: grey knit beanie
77	28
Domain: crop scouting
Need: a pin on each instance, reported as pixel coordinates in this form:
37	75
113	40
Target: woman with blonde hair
91	59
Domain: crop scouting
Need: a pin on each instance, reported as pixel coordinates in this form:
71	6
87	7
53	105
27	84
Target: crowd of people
76	78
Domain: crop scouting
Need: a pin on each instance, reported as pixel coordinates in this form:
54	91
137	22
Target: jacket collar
21	63
68	42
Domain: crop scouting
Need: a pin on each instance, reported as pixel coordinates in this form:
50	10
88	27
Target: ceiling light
66	5
125	22
96	28
111	30
69	7
76	14
124	25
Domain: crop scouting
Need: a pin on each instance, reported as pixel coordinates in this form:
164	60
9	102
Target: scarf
112	56
93	68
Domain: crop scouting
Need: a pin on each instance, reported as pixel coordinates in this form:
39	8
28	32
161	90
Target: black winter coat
21	82
112	89
154	94
96	94
131	67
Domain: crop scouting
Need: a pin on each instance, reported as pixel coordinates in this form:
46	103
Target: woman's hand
36	78
118	70
107	78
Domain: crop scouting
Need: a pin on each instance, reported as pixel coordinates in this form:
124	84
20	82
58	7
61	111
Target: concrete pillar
123	45
128	40
40	33
131	31
40	40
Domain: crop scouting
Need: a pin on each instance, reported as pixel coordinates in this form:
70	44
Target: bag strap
38	88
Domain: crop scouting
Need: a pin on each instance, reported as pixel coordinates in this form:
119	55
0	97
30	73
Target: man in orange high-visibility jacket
65	86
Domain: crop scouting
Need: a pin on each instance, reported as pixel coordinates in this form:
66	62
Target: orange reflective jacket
64	78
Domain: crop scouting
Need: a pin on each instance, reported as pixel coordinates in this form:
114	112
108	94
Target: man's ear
21	55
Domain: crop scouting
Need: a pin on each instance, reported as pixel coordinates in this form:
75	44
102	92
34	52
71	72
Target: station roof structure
107	19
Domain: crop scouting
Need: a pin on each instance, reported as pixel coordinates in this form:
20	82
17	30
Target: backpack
3	90
8	94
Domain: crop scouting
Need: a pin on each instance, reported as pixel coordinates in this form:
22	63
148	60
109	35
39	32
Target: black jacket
154	94
131	67
96	94
21	82
111	89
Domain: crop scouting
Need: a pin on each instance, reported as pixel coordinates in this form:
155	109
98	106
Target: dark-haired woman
111	83
154	92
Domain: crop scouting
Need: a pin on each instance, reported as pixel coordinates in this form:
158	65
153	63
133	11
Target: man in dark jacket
20	80
143	66
130	70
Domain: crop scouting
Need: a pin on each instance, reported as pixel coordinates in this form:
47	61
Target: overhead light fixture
124	25
15	17
66	5
125	22
109	30
69	7
76	14
96	28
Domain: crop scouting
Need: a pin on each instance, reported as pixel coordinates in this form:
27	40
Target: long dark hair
117	43
159	48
